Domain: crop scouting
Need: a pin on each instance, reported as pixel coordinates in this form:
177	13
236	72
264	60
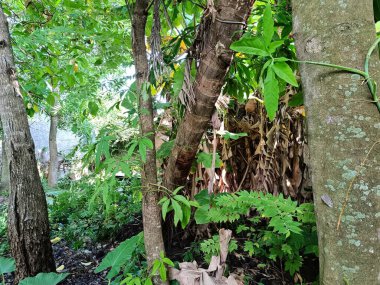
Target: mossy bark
343	128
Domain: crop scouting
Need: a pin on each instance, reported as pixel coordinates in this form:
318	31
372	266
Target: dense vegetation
250	174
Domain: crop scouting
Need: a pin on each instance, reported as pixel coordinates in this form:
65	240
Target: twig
350	187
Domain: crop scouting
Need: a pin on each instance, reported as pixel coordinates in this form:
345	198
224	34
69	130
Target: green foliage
4	246
44	278
121	256
180	205
126	267
7	265
288	233
265	54
211	247
94	209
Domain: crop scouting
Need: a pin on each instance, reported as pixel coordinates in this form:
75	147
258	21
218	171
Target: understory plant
94	208
267	226
127	265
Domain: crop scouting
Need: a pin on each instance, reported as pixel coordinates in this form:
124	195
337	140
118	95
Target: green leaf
271	94
296	100
168	261
274	45
44	278
201	215
50	100
178	214
253	46
163	272
147	142
165	149
93	107
178	79
7	265
232	136
121	255
182	199
142	151
165	206
284	71
268	25
206	160
186	216
156	266
148	281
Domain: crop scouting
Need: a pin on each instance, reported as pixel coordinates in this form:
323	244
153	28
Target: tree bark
28	225
343	128
53	150
4	181
153	239
214	63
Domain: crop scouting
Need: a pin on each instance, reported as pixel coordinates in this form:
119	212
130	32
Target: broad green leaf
253	46
147	142
148	281
142	151
7	265
178	214
44	278
283	70
201	215
168	261
274	45
268	25
121	254
93	107
156	266
165	206
131	149
186	216
182	199
163	272
50	99
271	94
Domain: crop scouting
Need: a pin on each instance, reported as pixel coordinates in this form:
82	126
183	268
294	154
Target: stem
372	84
340	67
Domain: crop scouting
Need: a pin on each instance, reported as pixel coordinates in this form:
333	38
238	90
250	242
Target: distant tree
343	135
28	224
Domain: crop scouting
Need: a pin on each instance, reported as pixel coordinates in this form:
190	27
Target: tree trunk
4	182
153	239
343	128
53	150
214	63
28	225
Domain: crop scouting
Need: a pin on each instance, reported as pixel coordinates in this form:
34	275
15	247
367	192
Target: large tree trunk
215	60
4	181
343	128
28	225
53	150
153	239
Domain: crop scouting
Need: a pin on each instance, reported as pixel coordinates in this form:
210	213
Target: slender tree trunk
28	225
153	239
343	128
53	150
215	61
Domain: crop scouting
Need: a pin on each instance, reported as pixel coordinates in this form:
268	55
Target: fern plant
289	229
